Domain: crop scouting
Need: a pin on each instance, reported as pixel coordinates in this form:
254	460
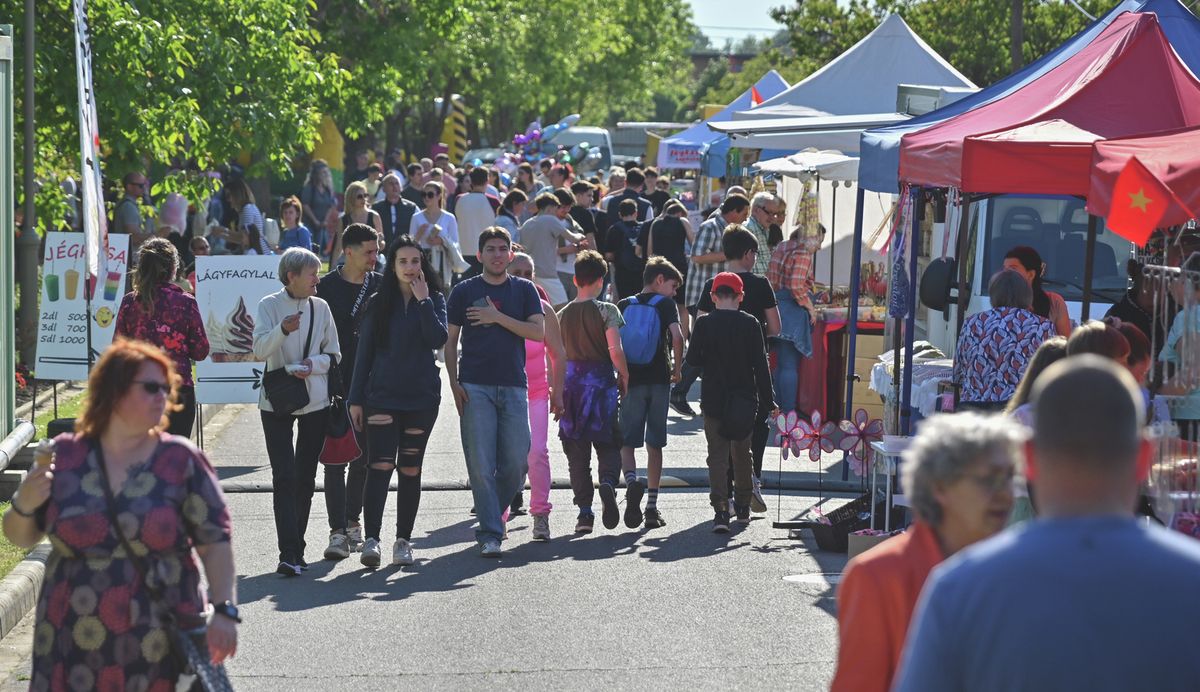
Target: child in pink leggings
543	359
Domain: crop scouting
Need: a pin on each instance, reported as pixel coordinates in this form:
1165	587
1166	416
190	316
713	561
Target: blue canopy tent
686	149
880	148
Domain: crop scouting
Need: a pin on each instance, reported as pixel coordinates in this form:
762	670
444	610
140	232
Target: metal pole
28	244
1088	268
910	324
852	328
963	249
833	236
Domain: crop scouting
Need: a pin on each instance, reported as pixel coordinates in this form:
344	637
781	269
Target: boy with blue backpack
651	331
622	250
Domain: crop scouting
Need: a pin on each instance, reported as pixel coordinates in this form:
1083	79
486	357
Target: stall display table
823	375
928	376
885	458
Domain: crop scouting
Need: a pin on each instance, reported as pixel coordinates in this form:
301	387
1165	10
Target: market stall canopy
1172	158
825	165
880	148
684	150
830	132
864	78
1038	139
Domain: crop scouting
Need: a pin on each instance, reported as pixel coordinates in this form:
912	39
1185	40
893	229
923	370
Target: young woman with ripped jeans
397	403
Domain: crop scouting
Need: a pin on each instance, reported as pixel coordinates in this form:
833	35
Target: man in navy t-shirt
1085	597
494	314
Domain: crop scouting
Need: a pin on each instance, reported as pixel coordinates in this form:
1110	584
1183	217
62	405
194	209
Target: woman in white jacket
281	332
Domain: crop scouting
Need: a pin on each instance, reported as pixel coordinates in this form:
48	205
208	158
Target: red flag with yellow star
1138	202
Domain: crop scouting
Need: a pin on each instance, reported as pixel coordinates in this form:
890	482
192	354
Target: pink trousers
539	457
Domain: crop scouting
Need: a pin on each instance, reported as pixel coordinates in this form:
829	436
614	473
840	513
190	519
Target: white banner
95	219
64	319
228	289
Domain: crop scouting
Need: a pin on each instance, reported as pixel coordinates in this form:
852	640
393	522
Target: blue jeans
787	378
495	436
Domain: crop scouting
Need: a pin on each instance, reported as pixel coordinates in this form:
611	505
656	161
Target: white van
1054	225
594	136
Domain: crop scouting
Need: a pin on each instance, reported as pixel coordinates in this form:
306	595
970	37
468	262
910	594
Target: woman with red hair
117	482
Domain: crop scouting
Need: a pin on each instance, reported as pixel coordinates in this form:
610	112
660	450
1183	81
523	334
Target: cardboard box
861	544
868	345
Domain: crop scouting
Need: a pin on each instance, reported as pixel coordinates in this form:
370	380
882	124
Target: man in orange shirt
958	475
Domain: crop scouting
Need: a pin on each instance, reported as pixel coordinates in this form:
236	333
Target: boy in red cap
728	344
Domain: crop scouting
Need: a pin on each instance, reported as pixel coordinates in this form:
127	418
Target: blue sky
722	19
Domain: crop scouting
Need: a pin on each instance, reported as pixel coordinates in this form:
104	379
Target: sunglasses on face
153	388
360	196
430	194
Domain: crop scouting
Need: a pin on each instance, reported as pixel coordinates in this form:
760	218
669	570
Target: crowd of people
559	300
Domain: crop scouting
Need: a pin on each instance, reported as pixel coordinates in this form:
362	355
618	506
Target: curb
698	482
19	590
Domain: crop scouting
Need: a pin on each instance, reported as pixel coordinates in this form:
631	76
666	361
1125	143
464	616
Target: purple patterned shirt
176	327
993	350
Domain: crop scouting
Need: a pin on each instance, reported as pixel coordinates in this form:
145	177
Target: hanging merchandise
902	242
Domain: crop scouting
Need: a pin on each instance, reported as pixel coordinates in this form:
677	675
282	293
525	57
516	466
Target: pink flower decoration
856	435
791	436
819	437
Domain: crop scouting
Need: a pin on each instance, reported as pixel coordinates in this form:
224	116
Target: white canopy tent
864	78
831	132
835	176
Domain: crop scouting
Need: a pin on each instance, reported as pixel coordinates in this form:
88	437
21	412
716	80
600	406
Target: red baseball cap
728	279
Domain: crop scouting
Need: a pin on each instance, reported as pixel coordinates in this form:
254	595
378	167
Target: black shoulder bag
188	647
286	392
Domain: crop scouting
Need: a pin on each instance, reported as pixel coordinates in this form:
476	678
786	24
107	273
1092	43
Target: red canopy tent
1038	140
1173	158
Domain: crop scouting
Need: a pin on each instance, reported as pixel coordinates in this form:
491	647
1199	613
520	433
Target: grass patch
68	407
10	555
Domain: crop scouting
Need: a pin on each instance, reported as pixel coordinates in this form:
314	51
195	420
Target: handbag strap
111	510
362	294
312	318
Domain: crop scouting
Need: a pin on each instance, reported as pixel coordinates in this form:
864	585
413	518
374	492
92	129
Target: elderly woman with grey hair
295	334
996	344
958	475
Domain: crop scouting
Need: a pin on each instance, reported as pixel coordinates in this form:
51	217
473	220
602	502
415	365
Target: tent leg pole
832	237
910	323
852	328
1088	268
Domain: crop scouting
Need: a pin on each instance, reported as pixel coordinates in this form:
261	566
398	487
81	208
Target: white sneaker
541	527
339	547
371	555
354	534
402	553
491	549
758	504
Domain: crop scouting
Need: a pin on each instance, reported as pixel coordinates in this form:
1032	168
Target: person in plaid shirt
767	212
707	260
790	274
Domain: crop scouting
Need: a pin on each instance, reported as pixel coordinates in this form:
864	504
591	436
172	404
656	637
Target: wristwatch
228	609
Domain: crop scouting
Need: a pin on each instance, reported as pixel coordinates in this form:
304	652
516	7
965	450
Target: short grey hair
1008	289
295	260
523	256
947	446
762	199
391	177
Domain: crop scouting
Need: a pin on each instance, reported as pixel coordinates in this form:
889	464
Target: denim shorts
643	415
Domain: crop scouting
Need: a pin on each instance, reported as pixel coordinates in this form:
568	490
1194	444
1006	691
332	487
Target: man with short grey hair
1084	597
766	210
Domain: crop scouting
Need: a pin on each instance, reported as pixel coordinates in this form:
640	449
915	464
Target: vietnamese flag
755	97
1139	201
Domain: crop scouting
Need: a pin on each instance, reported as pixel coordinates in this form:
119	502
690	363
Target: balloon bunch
531	145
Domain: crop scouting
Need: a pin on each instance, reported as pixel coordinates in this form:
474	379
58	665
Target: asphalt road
671	608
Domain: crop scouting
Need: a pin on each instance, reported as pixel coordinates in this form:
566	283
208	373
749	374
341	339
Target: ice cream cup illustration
112	284
51	282
72	277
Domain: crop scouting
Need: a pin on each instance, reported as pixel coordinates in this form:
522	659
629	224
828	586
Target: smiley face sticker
104	316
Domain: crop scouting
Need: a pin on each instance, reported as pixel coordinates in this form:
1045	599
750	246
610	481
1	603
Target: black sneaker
611	516
743	514
517	507
287	569
654	520
721	522
682	407
585	522
633	503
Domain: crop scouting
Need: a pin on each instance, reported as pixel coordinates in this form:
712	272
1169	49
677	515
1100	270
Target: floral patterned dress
176	327
96	627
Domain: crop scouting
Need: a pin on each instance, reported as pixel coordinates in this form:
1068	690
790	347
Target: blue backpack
642	331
